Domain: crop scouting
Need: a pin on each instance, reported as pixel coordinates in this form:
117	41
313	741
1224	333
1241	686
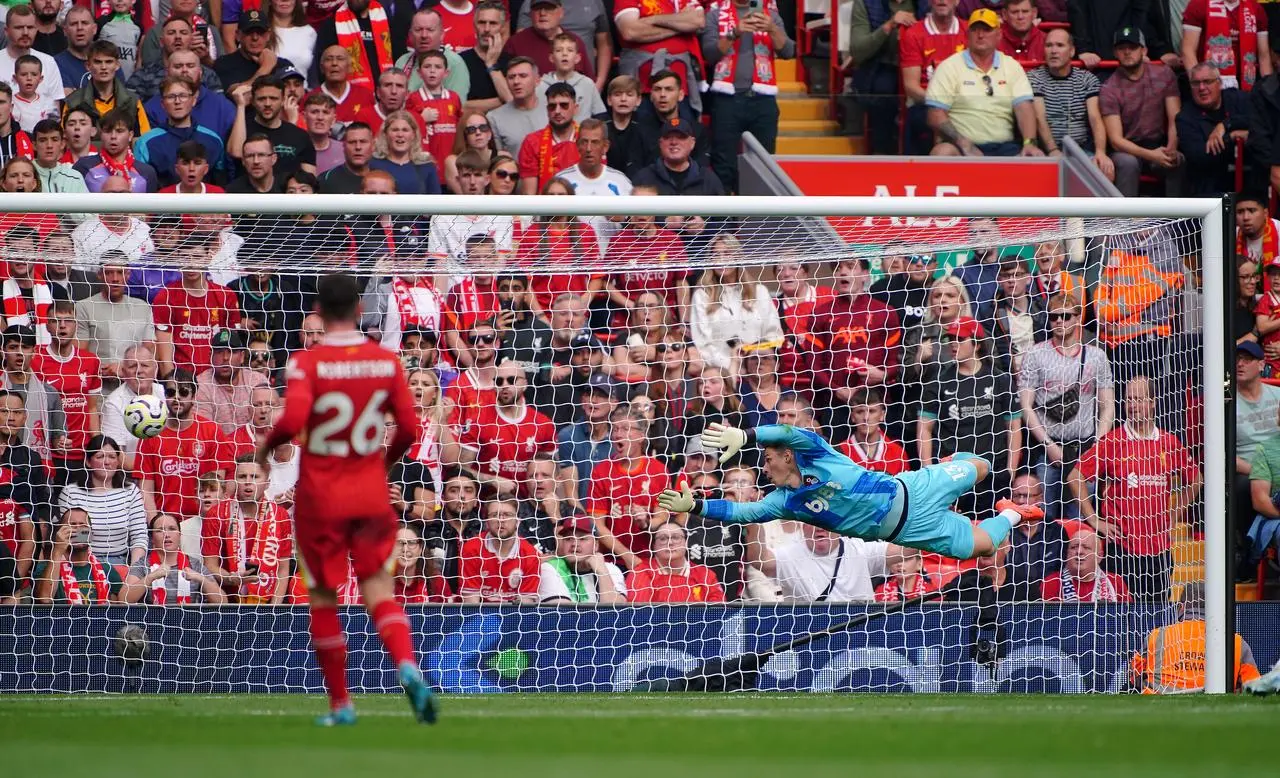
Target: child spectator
908	580
79	130
438	107
566	56
869	446
119	26
29	106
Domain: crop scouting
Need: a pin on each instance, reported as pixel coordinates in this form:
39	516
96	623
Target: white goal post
800	226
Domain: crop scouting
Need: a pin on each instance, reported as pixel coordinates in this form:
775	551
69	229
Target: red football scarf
546	154
16	310
1103	590
1218	50
71	586
1270	243
892	591
159	591
124	168
764	77
263	548
350	38
407	305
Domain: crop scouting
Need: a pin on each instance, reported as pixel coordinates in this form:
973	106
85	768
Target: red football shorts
326	546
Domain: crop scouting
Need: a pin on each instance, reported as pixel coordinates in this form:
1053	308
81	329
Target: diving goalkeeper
818	485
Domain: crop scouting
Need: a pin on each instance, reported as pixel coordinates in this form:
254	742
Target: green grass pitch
655	736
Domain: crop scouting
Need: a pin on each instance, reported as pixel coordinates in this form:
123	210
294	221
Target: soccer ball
145	416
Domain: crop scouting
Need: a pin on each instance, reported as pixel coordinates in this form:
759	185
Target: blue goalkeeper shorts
930	524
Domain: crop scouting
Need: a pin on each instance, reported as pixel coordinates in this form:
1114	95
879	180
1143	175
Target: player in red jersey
339	394
168	466
74	375
505	436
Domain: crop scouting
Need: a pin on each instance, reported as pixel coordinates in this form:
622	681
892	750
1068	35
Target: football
145	416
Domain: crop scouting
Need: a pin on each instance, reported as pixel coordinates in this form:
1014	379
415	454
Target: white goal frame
1217	234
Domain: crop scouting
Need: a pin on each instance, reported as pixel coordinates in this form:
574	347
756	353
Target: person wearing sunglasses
980	101
505	435
474	134
504	174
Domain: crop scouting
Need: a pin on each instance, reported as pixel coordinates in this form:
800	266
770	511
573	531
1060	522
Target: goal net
564	357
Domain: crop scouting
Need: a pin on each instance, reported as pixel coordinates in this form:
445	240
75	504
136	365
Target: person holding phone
747	37
73	575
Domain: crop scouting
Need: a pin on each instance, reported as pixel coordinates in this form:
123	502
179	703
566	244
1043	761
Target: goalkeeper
818	485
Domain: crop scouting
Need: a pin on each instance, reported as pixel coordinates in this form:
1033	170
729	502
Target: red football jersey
646	583
242	441
468	397
503	445
441	132
356	104
471	300
238	540
337	397
459	26
176	458
888	457
497	579
545	246
192	320
1136	478
76	380
643	256
618	493
924	46
10	513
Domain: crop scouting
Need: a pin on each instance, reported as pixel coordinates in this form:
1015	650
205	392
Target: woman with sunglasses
168	576
476	135
504	174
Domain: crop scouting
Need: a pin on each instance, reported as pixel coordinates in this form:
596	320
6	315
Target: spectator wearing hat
1208	128
253	57
555	146
159	147
971	408
1014	320
577	572
224	391
676	172
542	506
978	98
210	110
46	423
1257	405
292	146
1095	22
1140	105
585	441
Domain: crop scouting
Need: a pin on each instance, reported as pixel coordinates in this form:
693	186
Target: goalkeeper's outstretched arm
683	501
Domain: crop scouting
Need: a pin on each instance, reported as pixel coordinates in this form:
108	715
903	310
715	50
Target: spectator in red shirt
1020	36
436	107
74	374
354	103
1082	578
796	300
499	566
909	579
869	446
507	434
1145	481
475	387
921	48
669	576
263	403
187	313
418	575
650	28
167	466
247	540
624	489
554	147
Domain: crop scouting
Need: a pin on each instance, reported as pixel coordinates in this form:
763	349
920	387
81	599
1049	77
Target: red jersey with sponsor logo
697	583
473	299
849	331
356	104
924	46
494	578
192	319
468	398
887	456
643	257
503	445
76	380
627	497
1136	480
239	541
176	458
557	245
10	512
440	134
337	398
459	26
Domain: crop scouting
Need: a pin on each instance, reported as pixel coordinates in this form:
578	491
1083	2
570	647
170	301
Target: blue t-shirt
836	493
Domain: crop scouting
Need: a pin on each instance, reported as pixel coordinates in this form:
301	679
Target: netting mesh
573	363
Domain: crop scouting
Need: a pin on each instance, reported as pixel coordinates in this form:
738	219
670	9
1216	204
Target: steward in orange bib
1172	659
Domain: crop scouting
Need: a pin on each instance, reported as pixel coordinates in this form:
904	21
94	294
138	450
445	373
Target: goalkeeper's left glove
677	502
730	439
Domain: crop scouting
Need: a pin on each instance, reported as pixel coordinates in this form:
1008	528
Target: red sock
331	652
393	628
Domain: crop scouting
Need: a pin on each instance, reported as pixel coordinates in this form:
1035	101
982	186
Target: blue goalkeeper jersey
836	493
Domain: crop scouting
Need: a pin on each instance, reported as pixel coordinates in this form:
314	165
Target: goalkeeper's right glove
730	439
677	502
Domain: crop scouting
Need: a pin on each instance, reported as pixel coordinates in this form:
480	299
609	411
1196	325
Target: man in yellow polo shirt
976	96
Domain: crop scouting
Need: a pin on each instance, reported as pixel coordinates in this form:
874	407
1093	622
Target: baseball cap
253	20
225	338
23	333
1243	347
695	448
680	125
586	339
1274	264
576	522
598	383
1129	35
286	72
985	16
537	3
965	327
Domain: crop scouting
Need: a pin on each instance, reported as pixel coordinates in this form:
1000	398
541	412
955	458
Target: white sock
1013	516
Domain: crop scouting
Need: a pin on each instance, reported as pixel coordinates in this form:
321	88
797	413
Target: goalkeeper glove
730	439
677	502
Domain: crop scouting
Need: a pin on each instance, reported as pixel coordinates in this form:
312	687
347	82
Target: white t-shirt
282	476
27	113
610	182
551	585
447	239
803	576
50	84
92	240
